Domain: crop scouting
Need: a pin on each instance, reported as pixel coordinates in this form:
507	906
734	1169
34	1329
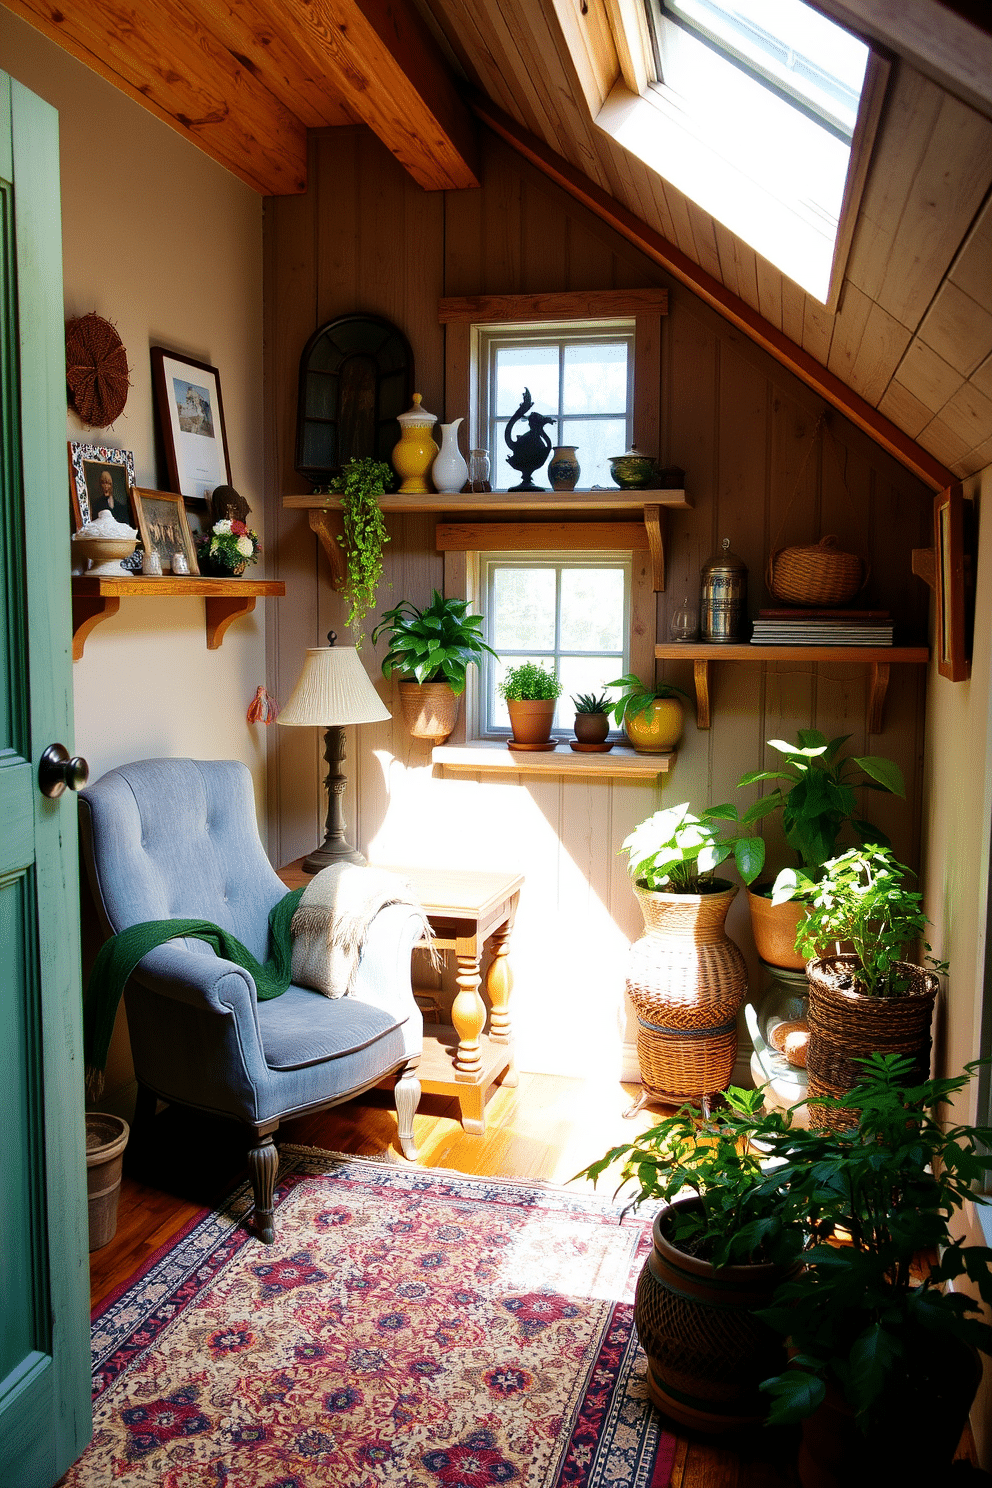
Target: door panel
44	1341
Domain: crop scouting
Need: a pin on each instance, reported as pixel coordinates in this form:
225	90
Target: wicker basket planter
430	709
846	1025
707	1353
819	574
687	980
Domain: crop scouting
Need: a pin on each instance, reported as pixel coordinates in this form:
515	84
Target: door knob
56	771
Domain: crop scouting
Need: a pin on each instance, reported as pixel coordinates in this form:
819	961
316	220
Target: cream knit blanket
332	921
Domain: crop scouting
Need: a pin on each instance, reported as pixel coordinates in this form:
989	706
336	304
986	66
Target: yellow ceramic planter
657	729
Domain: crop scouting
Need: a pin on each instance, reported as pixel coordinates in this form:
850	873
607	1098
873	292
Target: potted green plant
870	998
883	1369
816	792
360	484
724	1240
651	717
431	649
530	691
592	720
685	976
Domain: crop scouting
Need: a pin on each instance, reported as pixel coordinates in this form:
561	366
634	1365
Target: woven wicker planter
820	574
687	980
429	709
707	1353
846	1025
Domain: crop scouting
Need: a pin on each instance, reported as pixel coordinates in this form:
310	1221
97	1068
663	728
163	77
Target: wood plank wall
365	238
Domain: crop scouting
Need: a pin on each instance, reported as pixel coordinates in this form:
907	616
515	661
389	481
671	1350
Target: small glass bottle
684	624
478	469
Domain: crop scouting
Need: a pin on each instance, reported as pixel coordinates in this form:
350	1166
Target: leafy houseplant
869	999
592	717
360	483
816	794
530	692
651	717
677	852
431	649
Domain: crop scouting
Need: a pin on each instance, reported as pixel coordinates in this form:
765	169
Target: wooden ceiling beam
714	293
168	60
392	76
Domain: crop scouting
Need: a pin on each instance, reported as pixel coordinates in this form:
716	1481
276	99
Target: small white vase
450	471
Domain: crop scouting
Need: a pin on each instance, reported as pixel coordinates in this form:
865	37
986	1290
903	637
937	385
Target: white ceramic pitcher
450	471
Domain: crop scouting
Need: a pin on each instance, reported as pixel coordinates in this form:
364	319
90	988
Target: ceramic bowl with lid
633	470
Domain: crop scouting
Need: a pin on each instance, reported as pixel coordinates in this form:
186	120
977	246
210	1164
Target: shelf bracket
654	522
329	526
221	613
925	565
877	687
701	676
87	613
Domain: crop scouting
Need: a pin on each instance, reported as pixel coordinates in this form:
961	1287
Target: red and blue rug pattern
408	1327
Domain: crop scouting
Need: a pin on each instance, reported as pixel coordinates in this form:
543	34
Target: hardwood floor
546	1128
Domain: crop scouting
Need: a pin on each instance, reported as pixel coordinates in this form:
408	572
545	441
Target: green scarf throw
118	957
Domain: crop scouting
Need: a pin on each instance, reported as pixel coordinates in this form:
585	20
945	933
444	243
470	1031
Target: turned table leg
468	1015
499	985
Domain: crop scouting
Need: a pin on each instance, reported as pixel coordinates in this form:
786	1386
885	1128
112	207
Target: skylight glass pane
802	51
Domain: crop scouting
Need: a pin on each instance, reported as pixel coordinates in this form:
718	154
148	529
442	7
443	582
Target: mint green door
44	1272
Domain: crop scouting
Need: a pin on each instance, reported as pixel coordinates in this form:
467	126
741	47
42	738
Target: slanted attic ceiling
912	335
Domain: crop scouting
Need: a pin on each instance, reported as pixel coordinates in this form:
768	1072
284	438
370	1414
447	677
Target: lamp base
332	852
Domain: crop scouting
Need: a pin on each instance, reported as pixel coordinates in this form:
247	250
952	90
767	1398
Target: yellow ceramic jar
656	729
416	451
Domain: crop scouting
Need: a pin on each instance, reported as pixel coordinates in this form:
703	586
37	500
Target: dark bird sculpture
528	451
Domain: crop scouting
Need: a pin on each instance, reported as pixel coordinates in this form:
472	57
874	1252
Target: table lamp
334	690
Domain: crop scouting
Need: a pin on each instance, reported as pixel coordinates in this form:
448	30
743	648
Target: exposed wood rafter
714	293
579	304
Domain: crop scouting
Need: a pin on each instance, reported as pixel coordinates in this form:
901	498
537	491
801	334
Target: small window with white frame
570	613
581	375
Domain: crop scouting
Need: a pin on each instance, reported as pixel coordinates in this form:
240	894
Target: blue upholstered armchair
177	838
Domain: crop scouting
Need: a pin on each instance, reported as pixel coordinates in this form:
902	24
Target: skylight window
759	112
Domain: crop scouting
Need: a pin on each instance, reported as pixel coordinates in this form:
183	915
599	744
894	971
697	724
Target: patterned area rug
408	1327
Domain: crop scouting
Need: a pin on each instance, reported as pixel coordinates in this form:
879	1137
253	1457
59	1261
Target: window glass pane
533	367
584	674
523	608
595	379
592	609
502	476
596	440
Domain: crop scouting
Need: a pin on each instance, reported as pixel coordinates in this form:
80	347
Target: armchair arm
202	980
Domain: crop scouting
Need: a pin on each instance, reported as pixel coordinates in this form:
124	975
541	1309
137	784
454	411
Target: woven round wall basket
96	370
687	980
817	575
845	1025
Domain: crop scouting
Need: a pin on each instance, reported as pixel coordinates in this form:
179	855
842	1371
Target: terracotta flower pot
774	928
845	1025
531	719
707	1353
430	709
687	980
658	729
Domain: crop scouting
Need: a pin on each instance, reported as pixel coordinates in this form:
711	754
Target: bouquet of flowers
229	548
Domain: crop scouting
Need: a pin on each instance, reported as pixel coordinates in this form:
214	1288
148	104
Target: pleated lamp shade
334	688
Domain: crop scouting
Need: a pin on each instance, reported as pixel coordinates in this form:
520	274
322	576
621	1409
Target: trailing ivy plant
359	485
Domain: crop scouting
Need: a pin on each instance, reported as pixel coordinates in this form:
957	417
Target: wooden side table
465	907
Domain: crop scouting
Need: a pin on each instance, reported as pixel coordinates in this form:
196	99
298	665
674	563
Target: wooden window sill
493	758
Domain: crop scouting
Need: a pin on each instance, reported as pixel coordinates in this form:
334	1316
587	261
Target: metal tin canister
723	597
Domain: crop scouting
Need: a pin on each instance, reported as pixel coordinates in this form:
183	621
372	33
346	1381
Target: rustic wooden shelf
879	658
95	600
493	758
610	498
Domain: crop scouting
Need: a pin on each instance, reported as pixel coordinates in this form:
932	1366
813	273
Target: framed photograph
954	577
161	519
187	396
198	516
100	477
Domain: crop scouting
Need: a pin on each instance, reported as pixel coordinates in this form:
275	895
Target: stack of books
791	627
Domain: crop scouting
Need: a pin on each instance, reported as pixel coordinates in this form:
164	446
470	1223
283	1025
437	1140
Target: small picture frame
954	577
161	520
191	415
100	477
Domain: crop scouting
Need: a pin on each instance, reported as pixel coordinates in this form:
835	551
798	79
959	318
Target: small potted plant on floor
884	1367
870	998
685	976
592	720
651	717
431	649
530	692
816	792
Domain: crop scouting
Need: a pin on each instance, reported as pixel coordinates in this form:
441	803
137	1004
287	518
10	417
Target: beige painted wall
957	836
168	246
